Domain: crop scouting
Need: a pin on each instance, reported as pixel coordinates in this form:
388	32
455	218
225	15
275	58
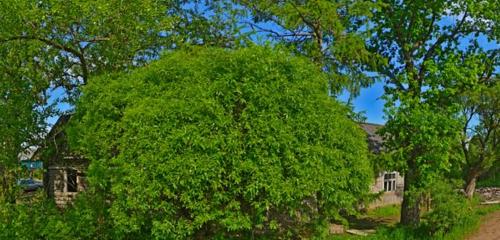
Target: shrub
490	179
449	209
221	143
37	218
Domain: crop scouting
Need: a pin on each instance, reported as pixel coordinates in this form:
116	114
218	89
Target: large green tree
418	38
78	39
213	142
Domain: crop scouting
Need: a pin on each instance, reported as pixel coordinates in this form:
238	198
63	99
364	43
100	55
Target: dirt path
489	229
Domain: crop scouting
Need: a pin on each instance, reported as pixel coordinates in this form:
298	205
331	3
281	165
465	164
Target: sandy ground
489	229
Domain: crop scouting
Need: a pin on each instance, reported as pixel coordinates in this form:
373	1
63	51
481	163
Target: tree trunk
7	191
410	208
470	185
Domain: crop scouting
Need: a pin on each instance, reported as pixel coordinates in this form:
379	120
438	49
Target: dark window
390	182
390	176
72	180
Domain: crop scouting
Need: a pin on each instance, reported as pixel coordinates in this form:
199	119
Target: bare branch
276	33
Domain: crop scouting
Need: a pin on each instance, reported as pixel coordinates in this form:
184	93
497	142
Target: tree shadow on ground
365	222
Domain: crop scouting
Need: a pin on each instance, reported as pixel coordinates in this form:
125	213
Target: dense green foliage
218	143
58	45
37	217
21	117
449	210
491	178
34	220
221	143
78	39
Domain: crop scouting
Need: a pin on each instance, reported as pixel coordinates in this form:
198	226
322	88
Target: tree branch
440	41
276	33
79	55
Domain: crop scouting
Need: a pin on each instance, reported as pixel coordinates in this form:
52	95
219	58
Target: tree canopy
58	45
228	142
78	39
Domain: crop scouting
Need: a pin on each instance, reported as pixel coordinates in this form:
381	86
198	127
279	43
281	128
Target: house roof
54	131
375	141
61	121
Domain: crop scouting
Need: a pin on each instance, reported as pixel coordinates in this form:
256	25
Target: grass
384	212
395	232
473	223
374	218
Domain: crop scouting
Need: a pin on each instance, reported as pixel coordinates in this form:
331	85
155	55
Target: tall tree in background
416	37
331	33
82	38
480	140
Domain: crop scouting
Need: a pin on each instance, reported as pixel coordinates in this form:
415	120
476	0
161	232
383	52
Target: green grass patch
473	223
460	231
385	211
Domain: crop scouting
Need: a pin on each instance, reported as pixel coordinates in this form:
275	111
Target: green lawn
385	219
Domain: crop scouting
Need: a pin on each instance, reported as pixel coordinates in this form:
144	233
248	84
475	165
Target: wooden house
64	171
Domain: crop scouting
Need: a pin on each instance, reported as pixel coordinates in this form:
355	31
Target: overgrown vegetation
425	77
490	180
239	141
465	226
221	143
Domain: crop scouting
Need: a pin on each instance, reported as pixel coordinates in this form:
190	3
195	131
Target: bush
88	217
490	179
449	209
34	219
221	143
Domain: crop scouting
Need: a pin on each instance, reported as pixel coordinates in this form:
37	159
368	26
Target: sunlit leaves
217	142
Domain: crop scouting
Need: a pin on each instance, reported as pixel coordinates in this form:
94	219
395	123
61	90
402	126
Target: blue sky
370	102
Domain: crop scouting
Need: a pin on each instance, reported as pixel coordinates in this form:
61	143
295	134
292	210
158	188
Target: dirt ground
489	229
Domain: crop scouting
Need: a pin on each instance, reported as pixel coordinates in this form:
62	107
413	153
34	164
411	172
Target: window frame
390	181
71	186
